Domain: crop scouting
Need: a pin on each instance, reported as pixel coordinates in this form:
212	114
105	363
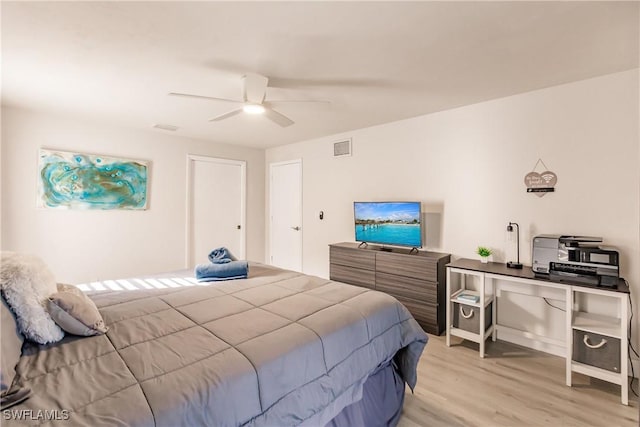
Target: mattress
278	348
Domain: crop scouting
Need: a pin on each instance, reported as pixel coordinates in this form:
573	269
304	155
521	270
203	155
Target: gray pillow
75	313
11	340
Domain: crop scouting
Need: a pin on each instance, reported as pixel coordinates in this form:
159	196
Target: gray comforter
277	349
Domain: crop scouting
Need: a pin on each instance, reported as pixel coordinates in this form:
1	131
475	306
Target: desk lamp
516	264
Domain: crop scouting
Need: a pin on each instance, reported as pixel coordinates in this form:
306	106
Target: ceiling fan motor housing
254	88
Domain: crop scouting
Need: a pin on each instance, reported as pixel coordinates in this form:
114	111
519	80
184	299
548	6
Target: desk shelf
485	317
602	374
612	329
488	299
597	323
462	333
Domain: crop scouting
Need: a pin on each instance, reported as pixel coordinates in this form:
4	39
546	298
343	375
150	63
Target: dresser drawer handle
586	342
466	316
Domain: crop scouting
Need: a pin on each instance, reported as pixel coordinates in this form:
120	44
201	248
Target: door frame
191	158
271	166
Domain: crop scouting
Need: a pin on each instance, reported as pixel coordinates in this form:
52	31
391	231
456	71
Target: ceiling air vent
342	148
166	127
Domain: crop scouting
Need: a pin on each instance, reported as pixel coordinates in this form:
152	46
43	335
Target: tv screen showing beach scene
391	223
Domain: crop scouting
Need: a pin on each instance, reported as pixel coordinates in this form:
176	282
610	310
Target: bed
279	348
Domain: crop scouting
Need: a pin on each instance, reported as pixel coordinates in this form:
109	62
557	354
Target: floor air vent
342	148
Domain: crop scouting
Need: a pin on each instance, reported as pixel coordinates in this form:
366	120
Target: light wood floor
511	386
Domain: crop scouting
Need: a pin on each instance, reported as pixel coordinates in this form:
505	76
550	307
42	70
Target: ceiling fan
254	90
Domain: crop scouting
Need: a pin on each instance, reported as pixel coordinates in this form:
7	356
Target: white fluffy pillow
26	283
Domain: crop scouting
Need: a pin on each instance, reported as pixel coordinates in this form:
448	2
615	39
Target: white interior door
216	207
286	215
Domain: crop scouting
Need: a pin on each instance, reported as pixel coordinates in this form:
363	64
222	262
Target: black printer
575	259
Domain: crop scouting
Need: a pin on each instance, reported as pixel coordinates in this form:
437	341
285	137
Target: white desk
493	278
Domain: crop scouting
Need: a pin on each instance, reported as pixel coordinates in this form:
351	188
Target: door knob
296	228
239	227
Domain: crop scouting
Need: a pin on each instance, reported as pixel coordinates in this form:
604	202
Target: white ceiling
376	61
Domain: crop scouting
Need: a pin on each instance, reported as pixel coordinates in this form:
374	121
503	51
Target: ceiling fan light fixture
253	109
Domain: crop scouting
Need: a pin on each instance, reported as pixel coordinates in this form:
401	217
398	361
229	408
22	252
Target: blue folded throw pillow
227	271
221	255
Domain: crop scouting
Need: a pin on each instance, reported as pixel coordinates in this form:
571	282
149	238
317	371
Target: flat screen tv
388	223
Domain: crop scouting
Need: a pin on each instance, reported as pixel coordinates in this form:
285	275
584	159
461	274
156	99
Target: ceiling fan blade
300	83
278	101
187	95
254	88
227	115
278	118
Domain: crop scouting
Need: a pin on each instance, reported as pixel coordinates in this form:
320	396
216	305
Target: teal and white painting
70	180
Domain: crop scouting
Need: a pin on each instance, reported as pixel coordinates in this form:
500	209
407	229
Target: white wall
469	164
87	245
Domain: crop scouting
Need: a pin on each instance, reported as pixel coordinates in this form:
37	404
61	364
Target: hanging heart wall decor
540	183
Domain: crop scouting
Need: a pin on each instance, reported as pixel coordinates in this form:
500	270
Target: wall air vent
342	148
166	127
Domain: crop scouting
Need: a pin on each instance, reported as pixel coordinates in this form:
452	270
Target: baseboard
516	337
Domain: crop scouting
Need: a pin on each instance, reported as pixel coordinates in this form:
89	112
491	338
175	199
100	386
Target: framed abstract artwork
72	180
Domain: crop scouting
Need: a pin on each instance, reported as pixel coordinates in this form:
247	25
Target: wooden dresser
416	279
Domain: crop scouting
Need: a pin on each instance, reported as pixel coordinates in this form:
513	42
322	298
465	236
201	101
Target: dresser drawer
414	266
407	287
356	258
424	313
354	276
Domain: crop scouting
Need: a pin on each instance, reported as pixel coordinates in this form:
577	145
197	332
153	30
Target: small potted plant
484	253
